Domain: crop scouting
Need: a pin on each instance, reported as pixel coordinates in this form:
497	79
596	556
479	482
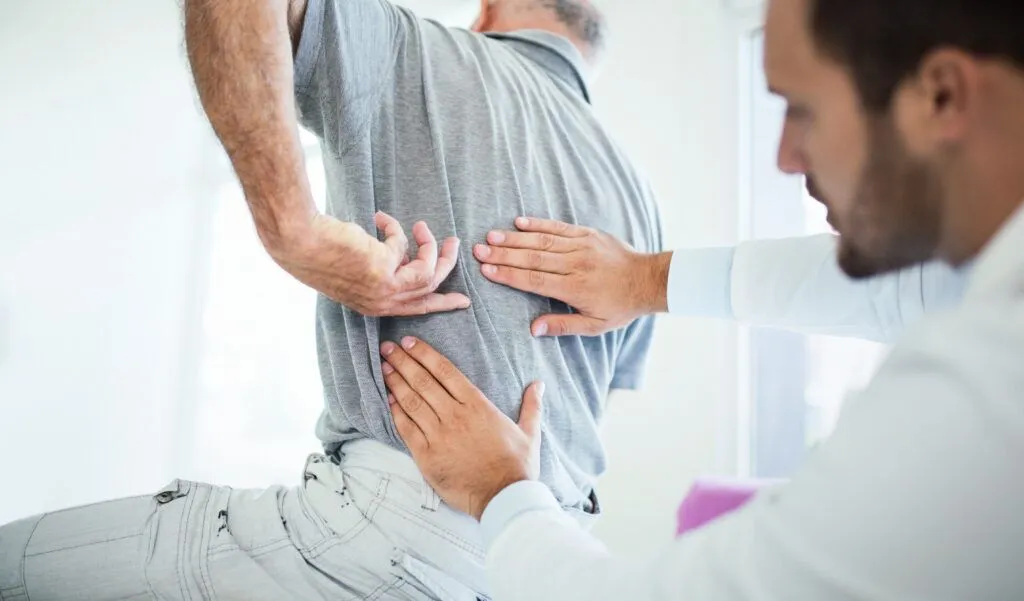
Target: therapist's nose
791	159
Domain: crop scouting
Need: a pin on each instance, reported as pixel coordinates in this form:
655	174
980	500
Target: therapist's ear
946	101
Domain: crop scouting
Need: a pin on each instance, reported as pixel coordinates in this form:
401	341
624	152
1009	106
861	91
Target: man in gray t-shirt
466	132
462	130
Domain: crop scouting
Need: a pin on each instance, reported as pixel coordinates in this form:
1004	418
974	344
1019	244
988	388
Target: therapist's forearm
651	295
796	284
700	282
572	564
524	527
792	283
527	532
567	563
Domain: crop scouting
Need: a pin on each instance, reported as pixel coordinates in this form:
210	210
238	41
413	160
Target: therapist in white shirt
910	116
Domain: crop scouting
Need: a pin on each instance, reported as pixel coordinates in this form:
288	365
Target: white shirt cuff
700	282
515	500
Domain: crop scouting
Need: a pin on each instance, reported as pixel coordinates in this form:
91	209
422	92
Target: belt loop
431	502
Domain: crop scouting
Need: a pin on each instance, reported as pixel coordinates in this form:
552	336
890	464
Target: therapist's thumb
568	325
530	412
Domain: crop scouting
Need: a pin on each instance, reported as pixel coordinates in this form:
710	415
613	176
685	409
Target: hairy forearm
241	54
650	291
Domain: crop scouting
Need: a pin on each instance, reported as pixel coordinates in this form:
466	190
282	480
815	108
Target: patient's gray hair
582	18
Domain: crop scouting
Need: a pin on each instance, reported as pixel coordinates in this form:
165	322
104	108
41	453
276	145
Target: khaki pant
361	526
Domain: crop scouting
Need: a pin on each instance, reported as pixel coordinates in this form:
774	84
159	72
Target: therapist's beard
895	217
815	192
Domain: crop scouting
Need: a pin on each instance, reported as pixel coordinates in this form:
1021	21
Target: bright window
795	384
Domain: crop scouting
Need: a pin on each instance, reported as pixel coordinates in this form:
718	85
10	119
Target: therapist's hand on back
607	282
467	449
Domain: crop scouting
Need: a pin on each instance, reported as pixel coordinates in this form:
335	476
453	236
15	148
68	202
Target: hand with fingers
467	449
607	282
354	268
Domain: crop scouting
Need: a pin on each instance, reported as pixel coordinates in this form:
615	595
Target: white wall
671	100
100	154
103	214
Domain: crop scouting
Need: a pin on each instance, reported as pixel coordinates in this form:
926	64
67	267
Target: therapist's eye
798	113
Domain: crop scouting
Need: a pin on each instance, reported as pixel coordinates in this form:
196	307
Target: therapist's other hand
607	282
467	449
375	278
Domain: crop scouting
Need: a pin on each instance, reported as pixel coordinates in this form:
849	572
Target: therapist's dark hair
883	42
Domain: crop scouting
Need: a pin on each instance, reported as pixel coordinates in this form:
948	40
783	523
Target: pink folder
710	498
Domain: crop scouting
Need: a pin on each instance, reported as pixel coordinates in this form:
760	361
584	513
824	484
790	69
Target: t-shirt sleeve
631	363
346	57
635	346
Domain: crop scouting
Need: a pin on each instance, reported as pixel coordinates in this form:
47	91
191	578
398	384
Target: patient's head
577	20
906	113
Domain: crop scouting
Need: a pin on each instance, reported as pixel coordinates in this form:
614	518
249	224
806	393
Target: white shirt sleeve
699	282
916	496
796	284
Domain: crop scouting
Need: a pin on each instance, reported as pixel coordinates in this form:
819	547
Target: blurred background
145	335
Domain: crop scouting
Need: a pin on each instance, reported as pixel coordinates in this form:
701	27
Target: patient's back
468	132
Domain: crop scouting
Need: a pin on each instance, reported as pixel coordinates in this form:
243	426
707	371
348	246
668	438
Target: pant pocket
435	582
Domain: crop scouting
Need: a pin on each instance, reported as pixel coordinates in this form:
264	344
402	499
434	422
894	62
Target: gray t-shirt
466	132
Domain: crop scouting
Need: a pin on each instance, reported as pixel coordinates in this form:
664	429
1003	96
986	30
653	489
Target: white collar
999	268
